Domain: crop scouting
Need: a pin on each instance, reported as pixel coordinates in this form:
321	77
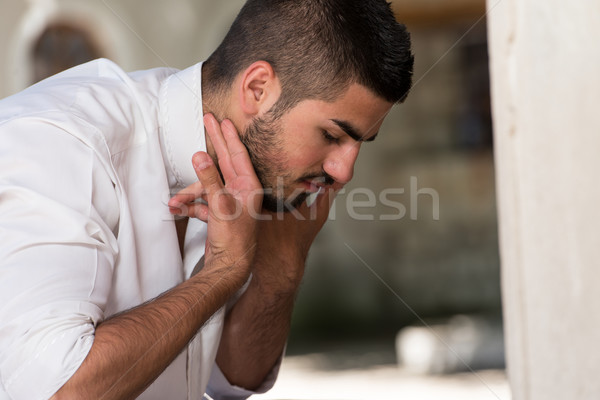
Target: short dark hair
317	48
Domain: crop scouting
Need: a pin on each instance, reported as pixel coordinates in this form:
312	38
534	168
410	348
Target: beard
266	150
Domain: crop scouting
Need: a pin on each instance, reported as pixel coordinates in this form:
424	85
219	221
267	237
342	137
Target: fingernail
201	160
310	200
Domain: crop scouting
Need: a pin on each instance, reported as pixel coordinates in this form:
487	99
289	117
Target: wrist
278	278
221	274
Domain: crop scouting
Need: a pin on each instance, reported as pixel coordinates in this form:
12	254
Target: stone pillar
545	64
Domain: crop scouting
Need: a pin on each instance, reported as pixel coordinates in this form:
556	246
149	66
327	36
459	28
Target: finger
239	154
319	209
218	141
211	180
187	209
178	207
325	200
192	210
197	210
188	195
207	173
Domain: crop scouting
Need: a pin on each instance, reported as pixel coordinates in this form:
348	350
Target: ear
259	89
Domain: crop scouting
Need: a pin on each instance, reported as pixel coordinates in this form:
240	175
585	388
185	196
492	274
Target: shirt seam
165	131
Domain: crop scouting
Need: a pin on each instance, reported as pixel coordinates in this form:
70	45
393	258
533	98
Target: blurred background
402	294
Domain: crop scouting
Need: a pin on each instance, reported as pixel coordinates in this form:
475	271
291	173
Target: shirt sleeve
56	257
219	387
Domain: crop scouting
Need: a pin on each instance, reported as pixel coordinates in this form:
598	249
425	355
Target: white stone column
545	64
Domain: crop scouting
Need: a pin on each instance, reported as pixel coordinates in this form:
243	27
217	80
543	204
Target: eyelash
329	138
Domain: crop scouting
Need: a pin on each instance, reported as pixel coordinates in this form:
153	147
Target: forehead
357	106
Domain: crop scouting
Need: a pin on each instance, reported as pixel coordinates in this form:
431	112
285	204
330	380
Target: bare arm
256	328
255	333
130	350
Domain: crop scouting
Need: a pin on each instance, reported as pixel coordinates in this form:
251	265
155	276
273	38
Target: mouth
314	185
310	187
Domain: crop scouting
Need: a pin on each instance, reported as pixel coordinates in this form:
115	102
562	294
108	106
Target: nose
340	164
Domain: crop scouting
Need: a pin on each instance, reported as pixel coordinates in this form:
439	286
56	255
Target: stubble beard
266	151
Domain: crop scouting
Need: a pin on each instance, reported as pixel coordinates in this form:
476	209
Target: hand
285	239
228	207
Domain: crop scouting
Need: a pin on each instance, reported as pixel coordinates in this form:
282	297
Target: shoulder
98	97
86	89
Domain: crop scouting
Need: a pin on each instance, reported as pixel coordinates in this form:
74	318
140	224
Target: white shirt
88	160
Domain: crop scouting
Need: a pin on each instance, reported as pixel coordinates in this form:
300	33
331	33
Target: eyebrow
352	131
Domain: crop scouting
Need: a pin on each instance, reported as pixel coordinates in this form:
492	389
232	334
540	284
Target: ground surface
321	376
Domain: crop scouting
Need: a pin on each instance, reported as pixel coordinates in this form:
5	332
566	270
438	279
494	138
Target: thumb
207	173
325	201
319	209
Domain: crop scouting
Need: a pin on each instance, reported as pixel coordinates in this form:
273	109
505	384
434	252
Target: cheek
303	150
305	159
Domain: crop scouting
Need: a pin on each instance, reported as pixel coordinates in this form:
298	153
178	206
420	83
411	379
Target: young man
102	295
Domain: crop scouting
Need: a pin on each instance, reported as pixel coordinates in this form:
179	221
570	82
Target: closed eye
329	138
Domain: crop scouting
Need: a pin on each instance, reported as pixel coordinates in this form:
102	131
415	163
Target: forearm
256	330
257	327
132	349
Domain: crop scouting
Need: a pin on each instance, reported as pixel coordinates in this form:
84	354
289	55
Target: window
59	47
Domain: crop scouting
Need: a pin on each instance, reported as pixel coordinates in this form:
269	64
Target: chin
279	204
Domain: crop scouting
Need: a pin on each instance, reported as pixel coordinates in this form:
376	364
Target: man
101	294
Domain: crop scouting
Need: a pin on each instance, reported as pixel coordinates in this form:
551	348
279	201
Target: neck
212	103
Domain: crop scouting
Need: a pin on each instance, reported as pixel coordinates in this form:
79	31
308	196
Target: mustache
321	177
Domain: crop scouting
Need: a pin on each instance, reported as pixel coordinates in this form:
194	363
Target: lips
313	186
316	182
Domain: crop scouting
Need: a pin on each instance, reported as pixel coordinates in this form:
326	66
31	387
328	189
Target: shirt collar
182	129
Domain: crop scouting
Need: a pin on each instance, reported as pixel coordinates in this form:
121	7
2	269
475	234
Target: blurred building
42	37
427	247
436	264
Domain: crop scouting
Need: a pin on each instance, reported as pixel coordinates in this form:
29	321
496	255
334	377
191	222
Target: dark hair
317	49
